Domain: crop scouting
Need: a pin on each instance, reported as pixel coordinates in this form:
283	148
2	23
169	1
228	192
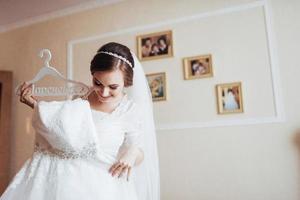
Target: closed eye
113	88
98	84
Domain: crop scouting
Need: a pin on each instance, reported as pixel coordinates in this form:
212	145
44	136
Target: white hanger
48	70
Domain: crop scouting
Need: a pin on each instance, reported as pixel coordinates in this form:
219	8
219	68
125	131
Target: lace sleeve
132	145
134	136
134	132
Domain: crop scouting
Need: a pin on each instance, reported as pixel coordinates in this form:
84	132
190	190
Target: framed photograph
197	67
229	98
158	86
155	45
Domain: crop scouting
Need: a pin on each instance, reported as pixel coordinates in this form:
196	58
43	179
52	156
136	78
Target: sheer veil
146	176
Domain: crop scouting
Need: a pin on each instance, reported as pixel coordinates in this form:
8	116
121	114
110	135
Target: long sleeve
132	146
134	136
134	130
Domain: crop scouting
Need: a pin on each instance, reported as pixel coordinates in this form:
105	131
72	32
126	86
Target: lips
104	99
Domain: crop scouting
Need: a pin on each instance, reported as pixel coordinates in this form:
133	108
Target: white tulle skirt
43	177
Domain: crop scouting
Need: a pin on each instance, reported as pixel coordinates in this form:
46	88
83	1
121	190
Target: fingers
113	167
22	99
24	86
119	169
34	98
128	173
26	94
122	171
22	90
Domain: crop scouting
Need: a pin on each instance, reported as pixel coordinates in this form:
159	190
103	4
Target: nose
105	92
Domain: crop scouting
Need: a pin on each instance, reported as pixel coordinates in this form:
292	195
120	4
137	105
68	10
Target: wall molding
279	116
56	14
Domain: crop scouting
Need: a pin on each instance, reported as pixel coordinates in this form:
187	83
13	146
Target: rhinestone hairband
117	56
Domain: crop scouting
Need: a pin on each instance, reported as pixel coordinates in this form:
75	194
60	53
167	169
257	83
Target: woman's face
108	85
162	42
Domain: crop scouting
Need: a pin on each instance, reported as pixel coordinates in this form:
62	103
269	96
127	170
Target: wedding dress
74	148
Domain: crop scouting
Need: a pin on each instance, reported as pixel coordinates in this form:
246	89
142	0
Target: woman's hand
119	168
26	95
128	156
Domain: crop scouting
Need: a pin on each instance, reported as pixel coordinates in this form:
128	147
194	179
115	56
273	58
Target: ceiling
16	13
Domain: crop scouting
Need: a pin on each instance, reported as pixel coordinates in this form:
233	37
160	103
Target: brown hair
105	62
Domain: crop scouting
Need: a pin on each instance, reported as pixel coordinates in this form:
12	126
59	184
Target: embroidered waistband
87	152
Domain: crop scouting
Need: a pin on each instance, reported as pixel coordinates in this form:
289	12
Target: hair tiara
117	56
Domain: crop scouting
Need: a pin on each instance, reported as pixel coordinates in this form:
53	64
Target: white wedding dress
74	149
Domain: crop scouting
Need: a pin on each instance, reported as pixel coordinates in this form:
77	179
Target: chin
106	100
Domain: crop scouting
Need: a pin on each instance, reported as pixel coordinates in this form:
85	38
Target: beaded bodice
70	129
64	129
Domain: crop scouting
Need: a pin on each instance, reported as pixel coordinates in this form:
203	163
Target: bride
99	146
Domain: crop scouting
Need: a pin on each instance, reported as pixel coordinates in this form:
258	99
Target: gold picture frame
158	85
196	67
229	98
155	45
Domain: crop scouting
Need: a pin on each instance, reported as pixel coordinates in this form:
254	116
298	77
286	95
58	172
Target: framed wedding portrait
229	98
197	67
155	45
158	86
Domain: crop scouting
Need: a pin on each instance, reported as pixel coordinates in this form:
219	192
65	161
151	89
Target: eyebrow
102	83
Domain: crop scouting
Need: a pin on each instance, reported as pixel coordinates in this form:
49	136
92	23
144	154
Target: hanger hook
48	58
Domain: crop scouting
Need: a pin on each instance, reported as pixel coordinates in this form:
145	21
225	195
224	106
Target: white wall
241	162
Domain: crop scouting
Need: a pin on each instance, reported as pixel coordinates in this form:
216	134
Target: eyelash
99	84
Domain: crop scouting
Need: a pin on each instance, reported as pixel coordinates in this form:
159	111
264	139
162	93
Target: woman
70	162
230	102
146	47
163	46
